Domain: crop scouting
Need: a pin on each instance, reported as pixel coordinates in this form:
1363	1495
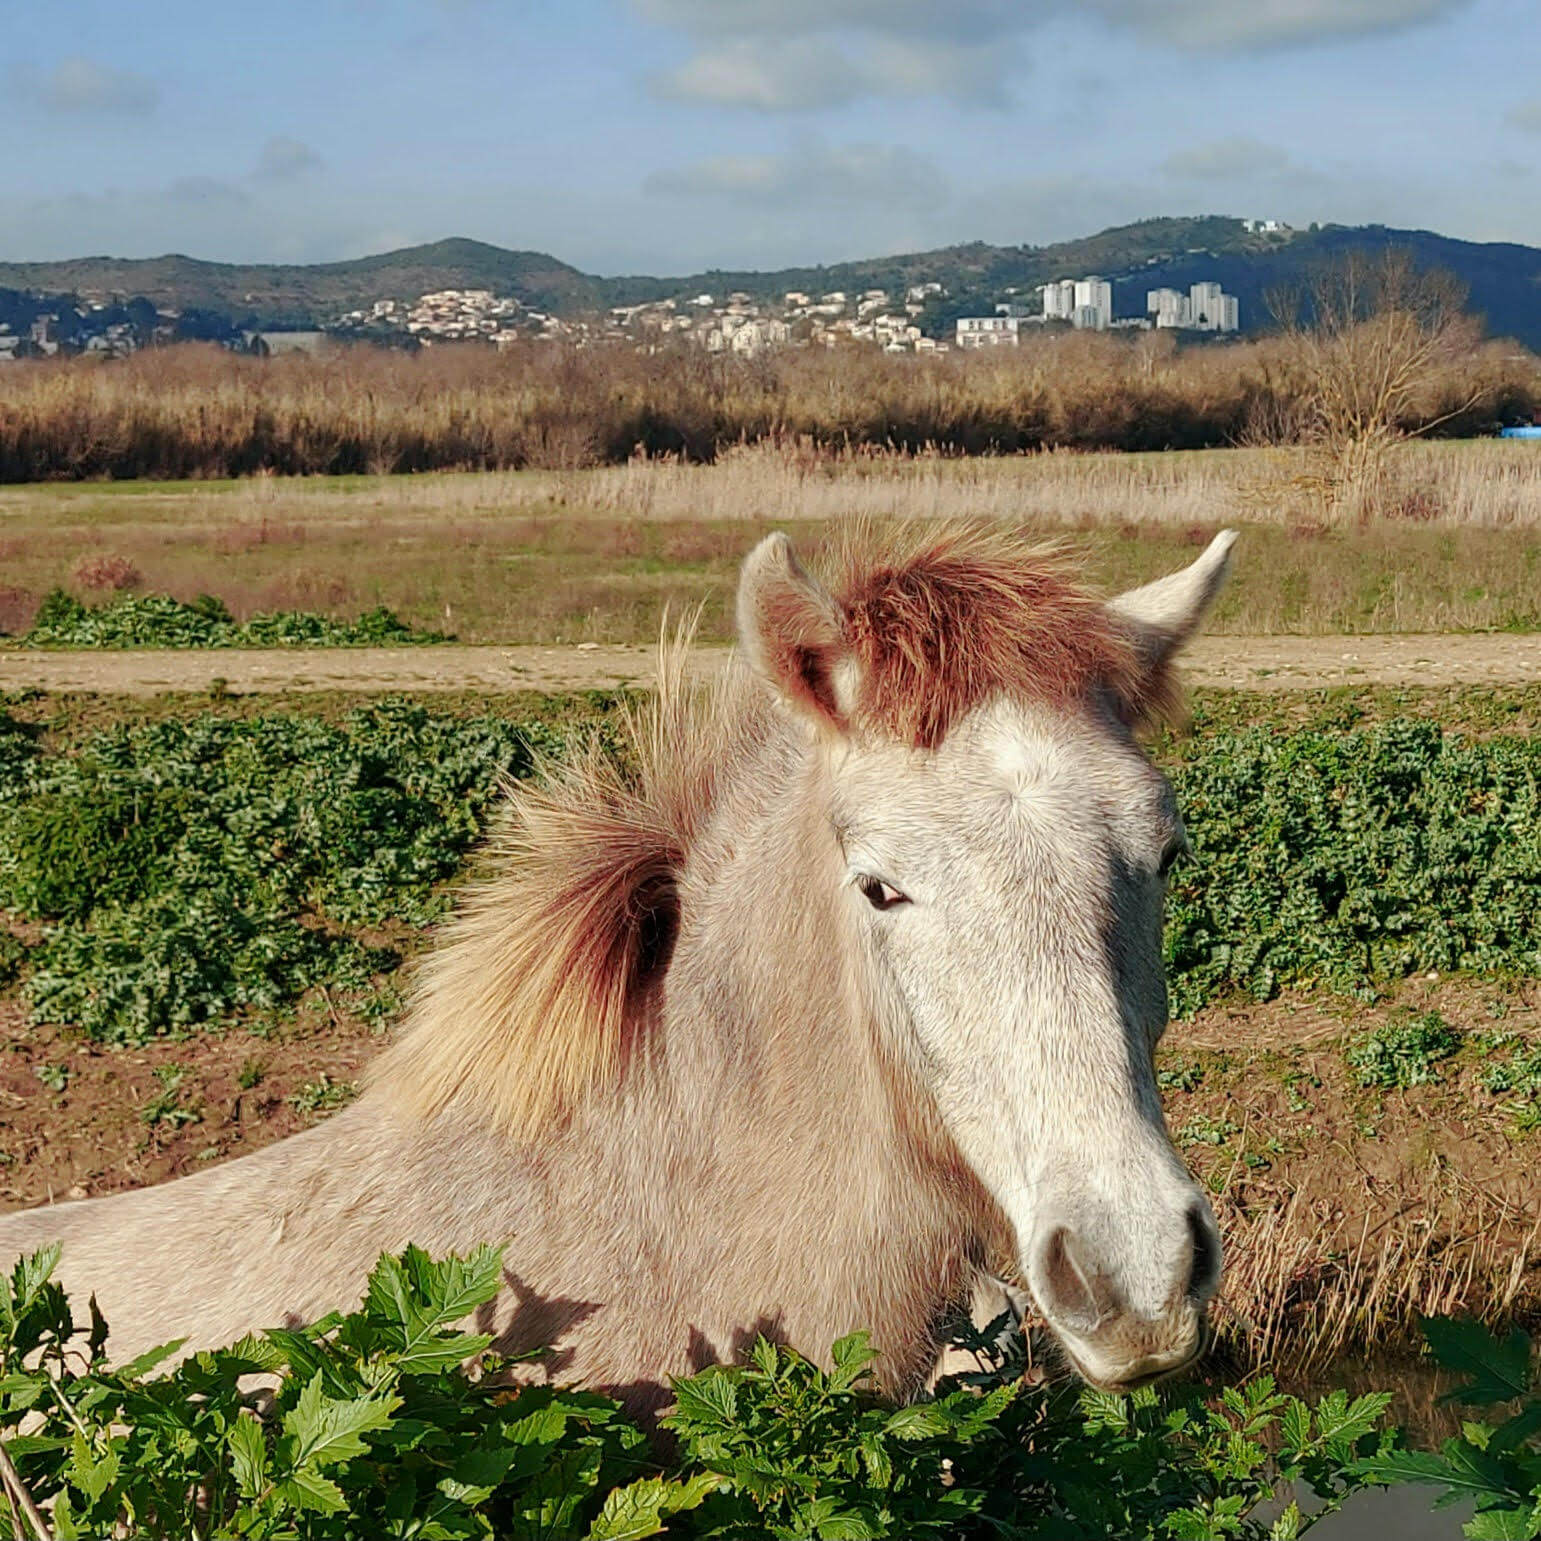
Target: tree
1370	343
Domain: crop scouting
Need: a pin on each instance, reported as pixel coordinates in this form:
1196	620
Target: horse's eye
880	895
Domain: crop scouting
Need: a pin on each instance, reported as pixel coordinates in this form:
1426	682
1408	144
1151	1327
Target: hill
308	294
1504	280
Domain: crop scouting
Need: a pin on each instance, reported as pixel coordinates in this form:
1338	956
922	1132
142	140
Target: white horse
843	995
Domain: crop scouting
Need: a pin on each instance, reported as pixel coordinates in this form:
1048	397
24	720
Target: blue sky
670	135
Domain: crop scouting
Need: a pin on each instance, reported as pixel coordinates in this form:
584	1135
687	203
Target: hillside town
919	319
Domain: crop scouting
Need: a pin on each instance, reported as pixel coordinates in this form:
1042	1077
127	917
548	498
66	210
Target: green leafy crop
156	620
394	1422
190	868
1353	859
1404	1052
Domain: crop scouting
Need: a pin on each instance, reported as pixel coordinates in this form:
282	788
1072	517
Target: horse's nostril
1071	1292
1204	1275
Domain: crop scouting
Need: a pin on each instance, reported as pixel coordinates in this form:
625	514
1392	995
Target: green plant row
391	1421
192	868
187	870
157	620
1353	859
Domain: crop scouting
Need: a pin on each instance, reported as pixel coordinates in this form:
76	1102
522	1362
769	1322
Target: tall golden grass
1305	1285
195	411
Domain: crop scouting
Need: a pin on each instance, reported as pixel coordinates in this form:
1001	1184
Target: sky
668	136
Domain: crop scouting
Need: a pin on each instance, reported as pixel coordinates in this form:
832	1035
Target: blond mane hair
545	984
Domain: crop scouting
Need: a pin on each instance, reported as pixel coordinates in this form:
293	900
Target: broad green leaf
91	1474
248	1456
920	1420
140	1367
325	1430
308	1489
1503	1525
1498	1369
639	1510
710	1398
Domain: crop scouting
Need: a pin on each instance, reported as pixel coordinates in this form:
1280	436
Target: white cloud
81	85
283	157
1237	156
794	74
1231	24
810	173
797	55
1525	116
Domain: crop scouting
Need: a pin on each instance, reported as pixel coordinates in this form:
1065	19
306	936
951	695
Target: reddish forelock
971	614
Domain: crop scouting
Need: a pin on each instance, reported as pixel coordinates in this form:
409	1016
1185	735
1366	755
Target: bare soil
1269	663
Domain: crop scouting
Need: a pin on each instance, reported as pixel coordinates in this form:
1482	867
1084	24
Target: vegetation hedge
196	411
392	1421
1355	858
157	620
185	870
190	868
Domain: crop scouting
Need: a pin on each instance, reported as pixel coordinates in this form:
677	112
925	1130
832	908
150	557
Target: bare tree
1370	343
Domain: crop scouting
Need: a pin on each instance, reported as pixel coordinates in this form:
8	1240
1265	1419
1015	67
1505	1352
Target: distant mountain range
1504	280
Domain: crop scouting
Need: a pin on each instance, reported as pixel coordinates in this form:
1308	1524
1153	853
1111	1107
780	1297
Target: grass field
598	555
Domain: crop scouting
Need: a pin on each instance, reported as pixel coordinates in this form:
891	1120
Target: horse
831	1000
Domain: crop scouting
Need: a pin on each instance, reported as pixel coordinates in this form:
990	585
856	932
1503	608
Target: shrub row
1354	859
393	1422
194	411
190	868
187	869
157	620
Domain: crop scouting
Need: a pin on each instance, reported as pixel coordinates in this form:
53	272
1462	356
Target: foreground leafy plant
1496	1466
392	1422
374	1428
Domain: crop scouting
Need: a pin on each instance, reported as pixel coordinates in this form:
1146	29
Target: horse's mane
546	982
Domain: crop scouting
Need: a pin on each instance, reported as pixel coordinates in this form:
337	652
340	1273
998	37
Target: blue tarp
1520	433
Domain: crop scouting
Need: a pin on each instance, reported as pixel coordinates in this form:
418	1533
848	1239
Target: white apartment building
1058	299
1086	303
1093	304
988	331
1168	308
1205	307
1211	309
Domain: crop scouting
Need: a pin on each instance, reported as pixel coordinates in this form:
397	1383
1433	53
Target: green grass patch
1406	1052
190	868
158	621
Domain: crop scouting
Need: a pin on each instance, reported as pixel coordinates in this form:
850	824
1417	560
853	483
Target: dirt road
1239	663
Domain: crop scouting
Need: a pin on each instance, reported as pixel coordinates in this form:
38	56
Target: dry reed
194	411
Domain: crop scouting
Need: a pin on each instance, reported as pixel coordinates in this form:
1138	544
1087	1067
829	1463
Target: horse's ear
1163	615
791	631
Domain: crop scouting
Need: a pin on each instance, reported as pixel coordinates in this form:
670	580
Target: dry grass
1305	1283
598	555
195	411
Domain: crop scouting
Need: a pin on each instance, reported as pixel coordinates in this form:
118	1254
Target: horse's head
1003	850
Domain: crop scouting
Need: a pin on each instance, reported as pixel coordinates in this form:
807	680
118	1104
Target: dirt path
1239	663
